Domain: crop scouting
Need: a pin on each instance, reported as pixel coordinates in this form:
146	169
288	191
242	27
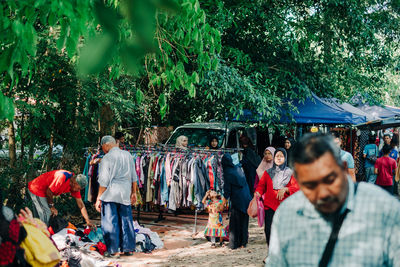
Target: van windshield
198	137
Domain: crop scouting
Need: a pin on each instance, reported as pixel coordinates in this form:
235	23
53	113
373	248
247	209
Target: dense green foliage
75	69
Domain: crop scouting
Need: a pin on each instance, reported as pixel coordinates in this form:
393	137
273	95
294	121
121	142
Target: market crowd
304	194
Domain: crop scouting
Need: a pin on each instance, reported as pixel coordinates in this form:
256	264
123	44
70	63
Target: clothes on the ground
117	173
238	228
235	186
386	167
369	236
370	150
39	249
154	237
347	157
215	226
11	236
57	181
117	227
269	215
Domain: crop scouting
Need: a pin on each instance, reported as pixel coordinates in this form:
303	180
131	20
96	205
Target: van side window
232	140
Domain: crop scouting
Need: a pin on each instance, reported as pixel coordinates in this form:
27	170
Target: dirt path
181	249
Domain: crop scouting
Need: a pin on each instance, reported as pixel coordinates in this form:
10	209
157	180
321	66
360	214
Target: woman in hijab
289	144
236	189
266	163
277	183
250	161
213	144
182	142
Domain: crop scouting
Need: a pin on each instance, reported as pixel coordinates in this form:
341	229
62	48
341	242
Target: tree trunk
11	144
22	138
107	122
50	152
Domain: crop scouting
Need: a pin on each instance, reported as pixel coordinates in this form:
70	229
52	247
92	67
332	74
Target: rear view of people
370	155
385	168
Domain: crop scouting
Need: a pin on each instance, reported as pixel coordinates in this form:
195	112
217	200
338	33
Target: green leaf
6	108
192	90
195	77
139	96
96	54
162	102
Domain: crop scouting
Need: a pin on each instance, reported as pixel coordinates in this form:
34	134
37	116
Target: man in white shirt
117	191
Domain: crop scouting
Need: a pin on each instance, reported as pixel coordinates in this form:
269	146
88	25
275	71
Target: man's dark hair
386	149
118	135
312	146
371	139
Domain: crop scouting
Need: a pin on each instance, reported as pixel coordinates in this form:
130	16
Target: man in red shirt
54	183
385	168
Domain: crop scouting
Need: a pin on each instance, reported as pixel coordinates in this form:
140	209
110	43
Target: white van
228	134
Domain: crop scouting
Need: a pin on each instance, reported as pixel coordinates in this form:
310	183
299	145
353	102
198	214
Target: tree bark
11	144
22	137
107	122
50	152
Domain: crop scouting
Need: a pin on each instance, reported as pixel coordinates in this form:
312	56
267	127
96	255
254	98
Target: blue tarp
393	109
378	111
350	108
314	110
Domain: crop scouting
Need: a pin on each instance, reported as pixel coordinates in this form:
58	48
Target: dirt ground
184	248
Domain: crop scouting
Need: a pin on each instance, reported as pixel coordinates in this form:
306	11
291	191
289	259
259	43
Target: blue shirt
370	150
346	156
393	154
117	172
369	236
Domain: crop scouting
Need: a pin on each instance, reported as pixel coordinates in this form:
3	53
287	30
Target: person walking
276	184
250	161
236	189
266	163
332	220
385	169
117	191
43	188
370	155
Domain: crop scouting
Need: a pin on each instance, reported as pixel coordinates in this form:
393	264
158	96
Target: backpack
372	158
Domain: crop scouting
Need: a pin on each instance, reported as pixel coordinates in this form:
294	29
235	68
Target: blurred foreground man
333	221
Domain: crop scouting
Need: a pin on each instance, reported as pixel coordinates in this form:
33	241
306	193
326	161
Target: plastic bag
260	212
252	209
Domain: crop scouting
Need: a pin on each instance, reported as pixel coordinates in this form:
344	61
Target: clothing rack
171	150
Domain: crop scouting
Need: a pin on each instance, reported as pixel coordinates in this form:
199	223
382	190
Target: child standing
215	228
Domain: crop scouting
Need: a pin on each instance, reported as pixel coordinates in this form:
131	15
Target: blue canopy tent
378	111
350	108
313	110
393	109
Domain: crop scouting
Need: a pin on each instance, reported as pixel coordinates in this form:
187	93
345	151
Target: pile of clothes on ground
85	246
